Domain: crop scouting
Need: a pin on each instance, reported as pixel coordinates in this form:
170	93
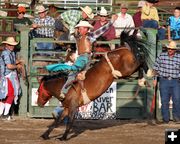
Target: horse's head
43	95
50	86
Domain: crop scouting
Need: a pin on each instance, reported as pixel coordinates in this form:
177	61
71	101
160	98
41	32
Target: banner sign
103	107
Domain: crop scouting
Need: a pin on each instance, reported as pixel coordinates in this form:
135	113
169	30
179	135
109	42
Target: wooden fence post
24	53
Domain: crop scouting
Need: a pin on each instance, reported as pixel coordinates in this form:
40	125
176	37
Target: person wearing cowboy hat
150	18
21	19
149	14
70	19
84	40
108	35
167	70
137	15
8	72
43	27
124	21
103	15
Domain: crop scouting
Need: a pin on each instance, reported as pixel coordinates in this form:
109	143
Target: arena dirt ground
28	131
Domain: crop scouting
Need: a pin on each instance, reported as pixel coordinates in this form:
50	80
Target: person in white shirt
124	21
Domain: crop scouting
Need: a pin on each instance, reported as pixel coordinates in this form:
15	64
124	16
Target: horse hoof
45	137
62	138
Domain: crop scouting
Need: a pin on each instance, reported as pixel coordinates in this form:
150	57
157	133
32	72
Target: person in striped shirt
43	27
167	69
67	21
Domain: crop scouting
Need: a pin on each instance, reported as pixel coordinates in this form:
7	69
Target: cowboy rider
84	39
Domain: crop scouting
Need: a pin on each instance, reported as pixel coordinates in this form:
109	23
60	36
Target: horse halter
41	93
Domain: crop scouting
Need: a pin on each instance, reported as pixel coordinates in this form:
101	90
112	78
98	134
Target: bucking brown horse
126	60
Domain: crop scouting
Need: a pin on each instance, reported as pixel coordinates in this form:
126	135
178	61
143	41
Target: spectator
11	82
150	18
103	19
44	27
20	18
174	25
26	14
108	35
20	21
53	11
137	15
167	68
149	15
84	40
67	21
123	21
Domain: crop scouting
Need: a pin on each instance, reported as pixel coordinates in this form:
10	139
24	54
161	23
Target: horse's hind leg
69	123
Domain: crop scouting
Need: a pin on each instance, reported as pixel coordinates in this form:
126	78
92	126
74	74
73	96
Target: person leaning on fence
67	21
137	15
21	20
124	21
167	69
10	86
43	27
108	35
84	40
137	18
174	25
150	18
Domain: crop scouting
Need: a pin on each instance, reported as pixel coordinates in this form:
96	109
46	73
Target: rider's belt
84	53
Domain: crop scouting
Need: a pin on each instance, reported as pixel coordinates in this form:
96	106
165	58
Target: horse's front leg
55	124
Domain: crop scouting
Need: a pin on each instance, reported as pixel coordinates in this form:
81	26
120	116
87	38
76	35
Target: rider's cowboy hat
40	9
84	24
88	11
172	45
152	1
10	41
103	12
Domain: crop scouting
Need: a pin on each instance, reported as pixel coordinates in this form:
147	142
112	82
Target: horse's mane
54	76
139	47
